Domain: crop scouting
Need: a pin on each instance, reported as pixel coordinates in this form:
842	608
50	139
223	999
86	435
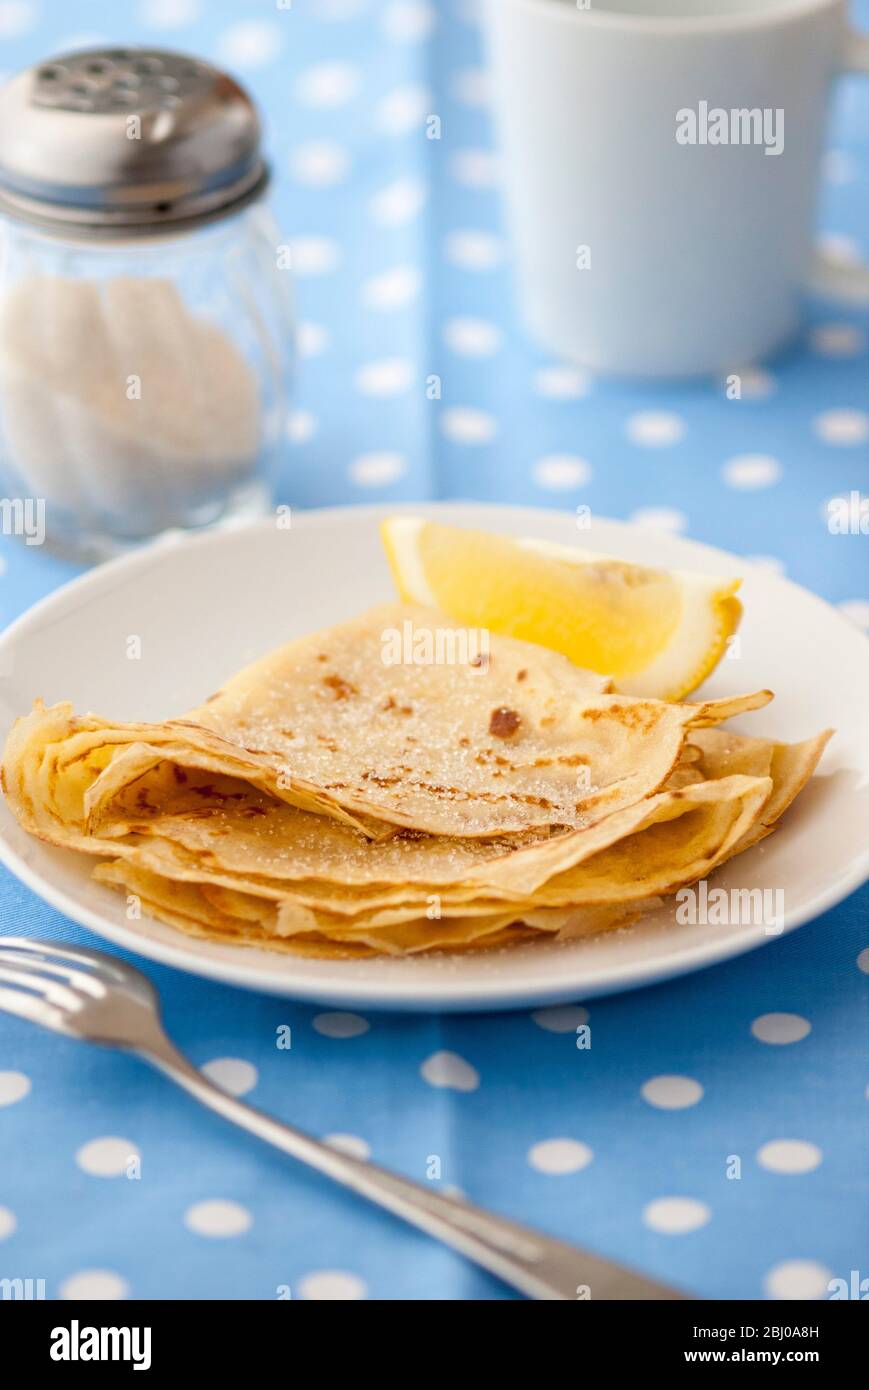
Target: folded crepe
215	915
523	741
333	800
680	838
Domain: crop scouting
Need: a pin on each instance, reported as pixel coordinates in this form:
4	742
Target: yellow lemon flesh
655	632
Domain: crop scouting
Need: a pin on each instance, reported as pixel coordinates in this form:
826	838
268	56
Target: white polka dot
655	428
3	565
312	339
837	339
781	1028
672	1092
562	383
319	163
390	377
314	255
7	1222
449	1071
561	472
408	21
472	337
14	1085
559	1156
94	1286
250	44
842	426
668	519
348	1144
471	250
340	1025
301	426
842	250
108	1157
474	168
750	471
754	383
772	563
471	87
467	425
797	1279
327	86
377	469
403	109
789	1156
392	289
863	961
232	1074
839	167
676	1216
170	14
563	1018
331	1285
218	1218
16	17
398	203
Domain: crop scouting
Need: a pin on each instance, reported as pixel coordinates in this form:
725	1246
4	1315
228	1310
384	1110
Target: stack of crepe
333	801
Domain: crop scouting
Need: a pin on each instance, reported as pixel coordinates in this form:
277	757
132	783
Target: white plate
204	607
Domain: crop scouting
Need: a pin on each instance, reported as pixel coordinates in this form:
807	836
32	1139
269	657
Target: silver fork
95	997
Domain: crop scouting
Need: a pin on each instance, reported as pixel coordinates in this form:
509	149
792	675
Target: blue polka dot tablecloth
715	1133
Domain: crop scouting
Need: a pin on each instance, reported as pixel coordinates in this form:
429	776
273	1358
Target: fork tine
97	960
39	985
89	983
36	1010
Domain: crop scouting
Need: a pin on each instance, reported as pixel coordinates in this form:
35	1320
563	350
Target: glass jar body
142	383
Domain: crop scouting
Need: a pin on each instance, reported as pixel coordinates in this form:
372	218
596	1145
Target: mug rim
688	24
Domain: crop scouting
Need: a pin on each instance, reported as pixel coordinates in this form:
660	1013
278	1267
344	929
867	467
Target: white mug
661	162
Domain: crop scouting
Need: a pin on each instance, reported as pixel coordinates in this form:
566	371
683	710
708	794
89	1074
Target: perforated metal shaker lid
114	142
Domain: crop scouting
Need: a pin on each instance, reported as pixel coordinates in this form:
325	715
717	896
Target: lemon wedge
655	632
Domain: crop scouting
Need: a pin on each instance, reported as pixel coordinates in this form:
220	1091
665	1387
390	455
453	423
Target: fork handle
535	1264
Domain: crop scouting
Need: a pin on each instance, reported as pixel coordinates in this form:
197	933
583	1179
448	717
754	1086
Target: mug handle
847	283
